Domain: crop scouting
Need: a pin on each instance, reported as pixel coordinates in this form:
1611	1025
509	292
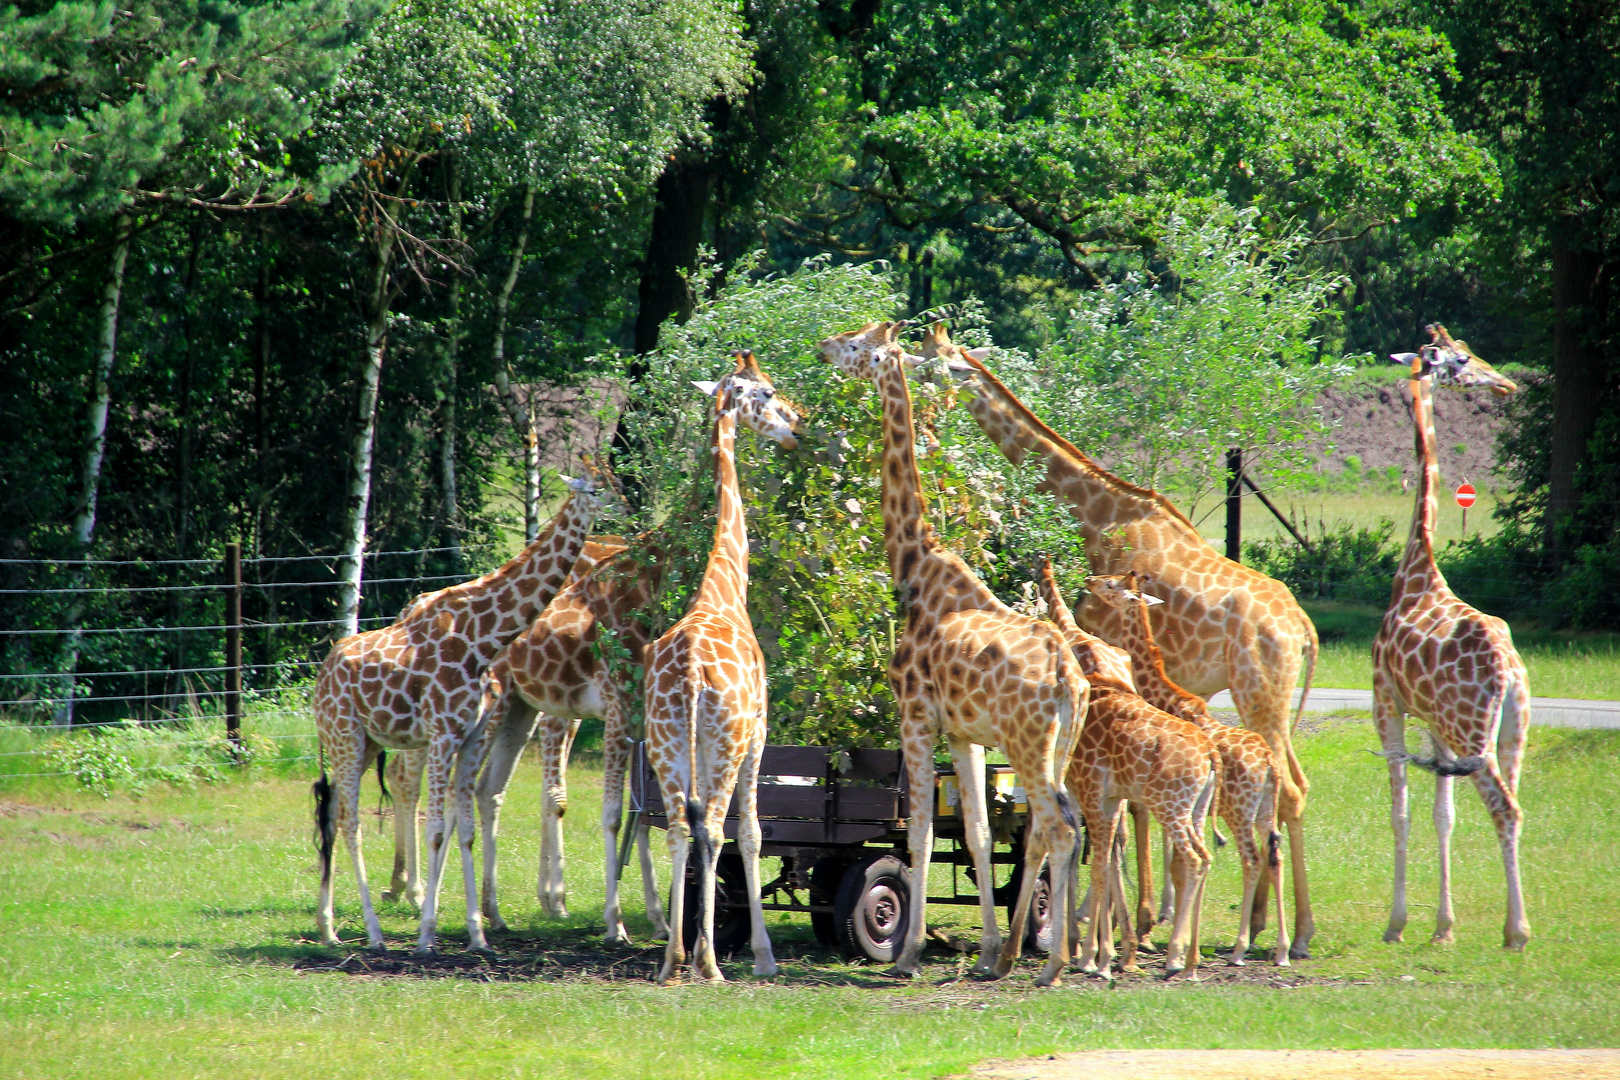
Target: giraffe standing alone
414	684
971	669
1249	775
1130	750
552	675
1222	624
1451	666
706	695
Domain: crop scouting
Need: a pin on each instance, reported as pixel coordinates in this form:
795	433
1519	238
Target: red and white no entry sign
1466	495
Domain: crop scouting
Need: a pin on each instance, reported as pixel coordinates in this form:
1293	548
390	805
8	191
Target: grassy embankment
161	936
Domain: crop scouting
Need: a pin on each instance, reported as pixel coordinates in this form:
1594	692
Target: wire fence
180	651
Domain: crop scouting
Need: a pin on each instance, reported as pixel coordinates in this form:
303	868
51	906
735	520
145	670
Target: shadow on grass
578	955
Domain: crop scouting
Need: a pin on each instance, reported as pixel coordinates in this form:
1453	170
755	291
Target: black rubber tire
1038	930
730	923
873	907
825	876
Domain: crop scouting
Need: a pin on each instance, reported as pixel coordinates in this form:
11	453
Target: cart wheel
730	922
1038	930
870	914
824	878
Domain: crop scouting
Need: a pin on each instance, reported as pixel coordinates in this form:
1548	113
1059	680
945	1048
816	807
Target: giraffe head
864	353
1452	362
1122	591
937	343
587	494
748	393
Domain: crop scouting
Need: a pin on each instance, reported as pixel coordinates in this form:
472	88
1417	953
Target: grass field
172	935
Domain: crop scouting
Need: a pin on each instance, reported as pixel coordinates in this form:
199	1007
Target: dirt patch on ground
1374	424
1311	1065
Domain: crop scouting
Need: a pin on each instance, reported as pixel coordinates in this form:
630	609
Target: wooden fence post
1234	504
233	646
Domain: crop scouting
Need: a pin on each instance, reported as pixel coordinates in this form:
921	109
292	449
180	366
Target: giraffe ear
979	354
1403	358
910	360
708	388
1148	599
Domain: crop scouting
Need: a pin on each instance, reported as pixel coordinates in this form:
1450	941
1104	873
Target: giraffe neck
1418	572
1147	668
1098	499
725	580
907	536
521	588
1079	641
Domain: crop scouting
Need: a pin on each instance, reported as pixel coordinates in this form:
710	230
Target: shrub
1353	563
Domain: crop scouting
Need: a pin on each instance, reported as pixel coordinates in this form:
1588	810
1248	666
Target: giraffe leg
615	759
1391	722
1503	804
1142	826
469	757
968	758
516	722
680	849
439	760
1267	820
405	782
1012	946
1167	890
1129	940
649	882
918	744
1186	866
556	740
1100	936
1249	852
710	836
350	752
748	840
1445	818
1304	916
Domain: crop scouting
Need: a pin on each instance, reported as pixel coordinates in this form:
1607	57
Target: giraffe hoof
1305	953
898	972
1132	969
1442	937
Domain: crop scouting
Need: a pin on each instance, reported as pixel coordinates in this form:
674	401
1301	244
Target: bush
1347	563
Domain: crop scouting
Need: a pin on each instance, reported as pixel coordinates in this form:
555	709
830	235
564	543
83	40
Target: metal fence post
1234	504
233	646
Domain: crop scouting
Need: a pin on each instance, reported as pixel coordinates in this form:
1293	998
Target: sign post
1465	498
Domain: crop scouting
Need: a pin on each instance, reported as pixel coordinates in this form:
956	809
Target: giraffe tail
1466	766
1314	644
325	829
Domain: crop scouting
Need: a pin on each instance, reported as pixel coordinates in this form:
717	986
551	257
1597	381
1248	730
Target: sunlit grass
155	936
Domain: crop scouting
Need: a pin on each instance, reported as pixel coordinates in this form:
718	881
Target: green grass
157	936
1361	509
1560	663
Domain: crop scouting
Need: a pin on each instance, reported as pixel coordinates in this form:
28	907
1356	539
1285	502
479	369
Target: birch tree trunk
522	417
84	522
358	497
452	350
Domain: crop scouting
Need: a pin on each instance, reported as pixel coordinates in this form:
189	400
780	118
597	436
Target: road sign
1466	495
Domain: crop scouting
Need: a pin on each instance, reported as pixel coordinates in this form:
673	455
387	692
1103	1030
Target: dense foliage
301	274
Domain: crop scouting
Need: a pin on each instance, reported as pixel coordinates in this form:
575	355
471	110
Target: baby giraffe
706	690
1130	750
1248	792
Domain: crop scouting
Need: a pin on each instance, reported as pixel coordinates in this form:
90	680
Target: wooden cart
837	820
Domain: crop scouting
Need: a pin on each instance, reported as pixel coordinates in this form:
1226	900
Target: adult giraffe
414	684
973	670
1221	625
706	694
1451	666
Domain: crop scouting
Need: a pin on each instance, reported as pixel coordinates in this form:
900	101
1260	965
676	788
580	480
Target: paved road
1545	711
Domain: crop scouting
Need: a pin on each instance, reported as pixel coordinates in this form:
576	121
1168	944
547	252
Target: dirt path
1311	1065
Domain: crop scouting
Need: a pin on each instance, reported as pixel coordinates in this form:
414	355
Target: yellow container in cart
1001	779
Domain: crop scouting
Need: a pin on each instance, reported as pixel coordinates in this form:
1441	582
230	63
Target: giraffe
1222	624
404	768
1130	750
970	668
1249	773
705	687
1455	668
549	677
413	684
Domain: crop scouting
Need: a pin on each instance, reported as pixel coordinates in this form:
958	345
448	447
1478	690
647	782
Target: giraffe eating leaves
973	670
706	694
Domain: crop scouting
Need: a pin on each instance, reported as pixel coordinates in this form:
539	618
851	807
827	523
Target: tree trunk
84	523
1578	375
261	425
447	384
183	464
365	433
522	416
